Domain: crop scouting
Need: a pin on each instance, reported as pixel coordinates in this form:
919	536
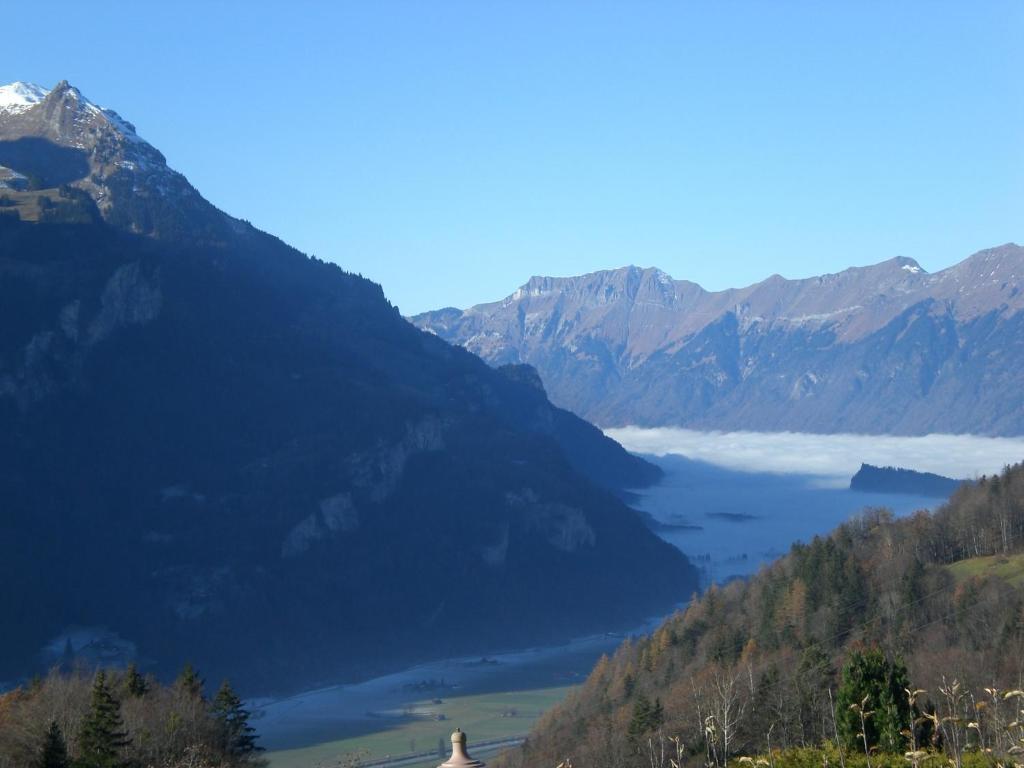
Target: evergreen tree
134	683
190	681
873	684
102	737
646	719
54	753
628	684
238	738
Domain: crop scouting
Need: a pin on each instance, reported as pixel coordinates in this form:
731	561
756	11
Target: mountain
885	348
898	480
57	138
214	448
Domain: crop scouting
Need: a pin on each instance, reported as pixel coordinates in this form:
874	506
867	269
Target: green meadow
1007	567
484	717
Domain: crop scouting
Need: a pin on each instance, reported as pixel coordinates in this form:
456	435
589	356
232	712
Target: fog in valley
734	501
830	459
731	501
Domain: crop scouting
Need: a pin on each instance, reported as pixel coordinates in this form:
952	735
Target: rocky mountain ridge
884	348
57	139
214	448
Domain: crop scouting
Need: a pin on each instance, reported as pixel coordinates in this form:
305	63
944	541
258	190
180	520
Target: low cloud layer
834	458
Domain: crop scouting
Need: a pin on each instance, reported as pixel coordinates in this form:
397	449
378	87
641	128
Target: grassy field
1010	568
483	717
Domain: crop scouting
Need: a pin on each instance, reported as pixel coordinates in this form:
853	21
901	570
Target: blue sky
450	150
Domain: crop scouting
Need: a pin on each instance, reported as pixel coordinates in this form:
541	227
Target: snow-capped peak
18	96
127	178
68	93
122	126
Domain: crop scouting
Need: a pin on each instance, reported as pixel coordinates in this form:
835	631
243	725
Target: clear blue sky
449	150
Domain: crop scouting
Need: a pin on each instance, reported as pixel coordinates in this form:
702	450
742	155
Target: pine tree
628	681
238	738
102	737
54	753
647	718
190	681
872	684
134	683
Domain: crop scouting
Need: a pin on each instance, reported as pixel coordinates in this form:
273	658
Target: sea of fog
831	459
731	501
734	501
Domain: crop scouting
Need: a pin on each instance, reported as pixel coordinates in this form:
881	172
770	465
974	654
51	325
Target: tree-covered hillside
851	623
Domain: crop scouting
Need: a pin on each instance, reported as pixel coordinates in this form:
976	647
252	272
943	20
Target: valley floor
384	714
493	721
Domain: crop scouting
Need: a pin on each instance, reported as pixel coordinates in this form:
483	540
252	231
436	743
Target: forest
76	718
888	642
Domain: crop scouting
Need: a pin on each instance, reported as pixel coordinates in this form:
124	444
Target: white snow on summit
18	96
125	128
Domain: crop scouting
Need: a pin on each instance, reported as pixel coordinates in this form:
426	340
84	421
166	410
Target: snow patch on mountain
17	97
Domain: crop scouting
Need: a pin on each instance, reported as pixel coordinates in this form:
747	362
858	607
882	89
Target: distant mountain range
214	448
887	348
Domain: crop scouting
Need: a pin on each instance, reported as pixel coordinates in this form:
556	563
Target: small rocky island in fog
896	480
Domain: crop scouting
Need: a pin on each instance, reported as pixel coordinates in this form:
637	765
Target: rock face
223	451
58	138
886	348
